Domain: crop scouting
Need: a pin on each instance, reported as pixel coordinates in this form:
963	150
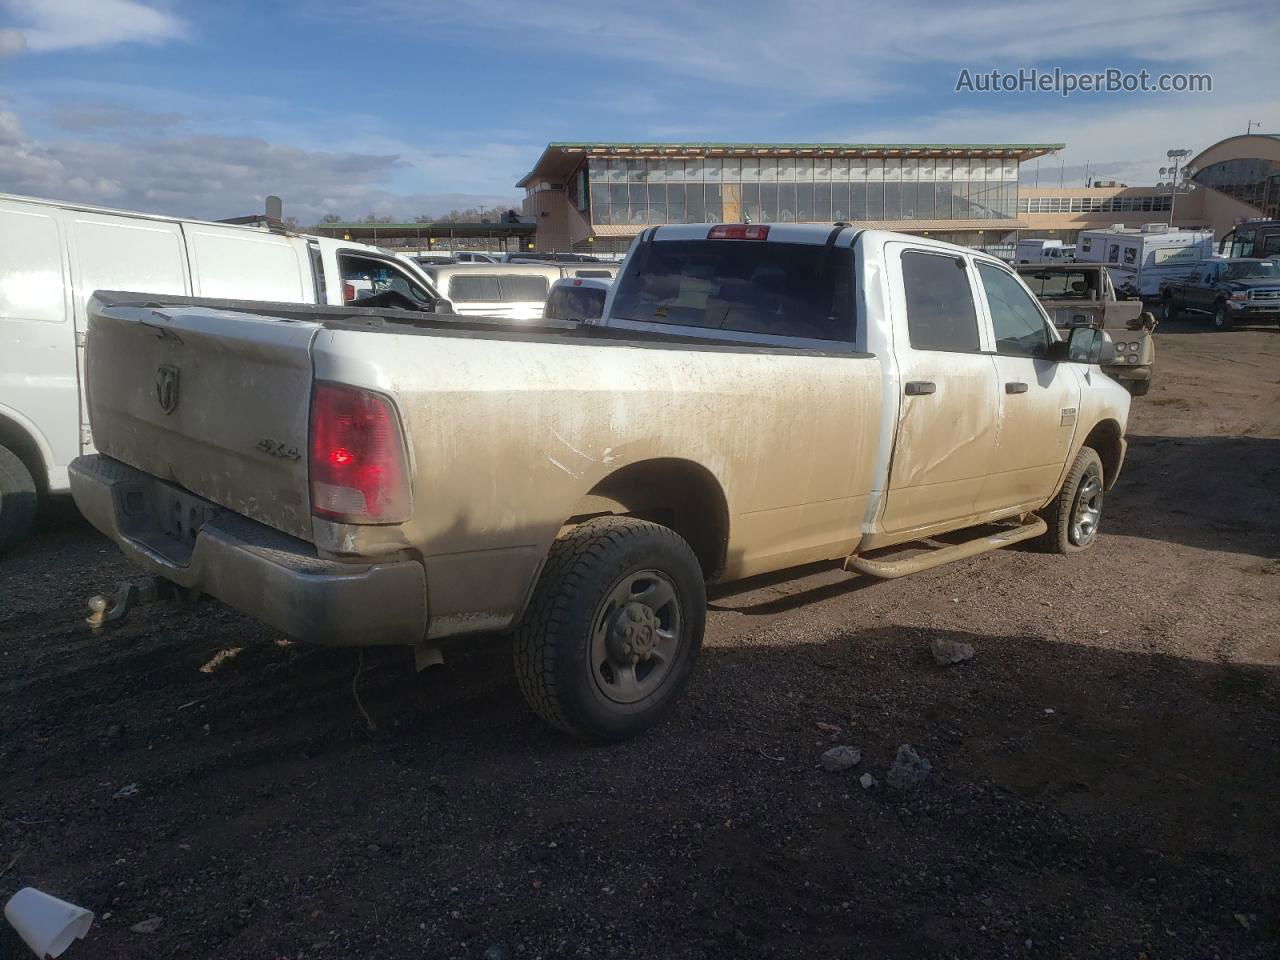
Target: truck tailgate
212	400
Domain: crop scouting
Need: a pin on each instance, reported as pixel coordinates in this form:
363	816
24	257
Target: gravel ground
1105	770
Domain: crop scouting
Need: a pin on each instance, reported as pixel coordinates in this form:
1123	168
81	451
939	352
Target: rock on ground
946	652
841	758
909	769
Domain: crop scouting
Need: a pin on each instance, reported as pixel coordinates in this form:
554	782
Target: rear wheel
17	499
613	629
1076	512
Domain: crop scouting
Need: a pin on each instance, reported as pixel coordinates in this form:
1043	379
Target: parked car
1228	291
53	256
577	298
1043	251
755	397
1081	294
516	291
1141	259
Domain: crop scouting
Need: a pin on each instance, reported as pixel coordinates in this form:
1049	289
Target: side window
519	289
1271	245
1019	328
1113	253
940	313
32	255
473	289
1210	274
1130	256
364	277
1086	245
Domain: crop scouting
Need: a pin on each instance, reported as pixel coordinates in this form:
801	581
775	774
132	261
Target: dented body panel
764	452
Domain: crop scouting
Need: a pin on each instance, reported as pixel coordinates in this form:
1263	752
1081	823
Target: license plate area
164	518
180	515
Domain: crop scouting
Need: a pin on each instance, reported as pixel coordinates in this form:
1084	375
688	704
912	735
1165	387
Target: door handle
920	388
1016	386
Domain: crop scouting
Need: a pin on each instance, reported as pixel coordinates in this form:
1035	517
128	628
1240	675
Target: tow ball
105	609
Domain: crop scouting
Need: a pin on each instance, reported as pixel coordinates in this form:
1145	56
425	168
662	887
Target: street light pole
1177	156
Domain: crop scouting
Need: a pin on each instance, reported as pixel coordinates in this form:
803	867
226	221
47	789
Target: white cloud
848	50
45	26
218	176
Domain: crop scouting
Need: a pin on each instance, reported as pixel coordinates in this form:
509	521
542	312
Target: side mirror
1084	345
442	305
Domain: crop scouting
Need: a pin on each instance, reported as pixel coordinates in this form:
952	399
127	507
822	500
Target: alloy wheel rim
635	637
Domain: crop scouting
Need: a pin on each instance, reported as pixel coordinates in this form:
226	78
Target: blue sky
403	108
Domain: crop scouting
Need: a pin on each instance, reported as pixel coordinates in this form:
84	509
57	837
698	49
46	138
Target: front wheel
1075	513
1138	388
1221	319
613	629
1170	308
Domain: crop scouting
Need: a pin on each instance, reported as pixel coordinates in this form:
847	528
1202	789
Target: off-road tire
553	641
17	499
1058	514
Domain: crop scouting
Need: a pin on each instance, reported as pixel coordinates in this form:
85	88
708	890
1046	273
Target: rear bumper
276	578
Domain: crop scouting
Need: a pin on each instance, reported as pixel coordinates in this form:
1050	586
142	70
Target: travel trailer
1141	259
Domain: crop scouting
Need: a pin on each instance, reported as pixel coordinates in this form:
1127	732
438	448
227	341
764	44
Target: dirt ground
1106	770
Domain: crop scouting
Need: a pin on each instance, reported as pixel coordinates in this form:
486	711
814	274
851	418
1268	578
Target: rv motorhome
1141	259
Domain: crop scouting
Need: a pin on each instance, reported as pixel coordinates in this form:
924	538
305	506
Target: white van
1140	259
53	256
1043	251
513	291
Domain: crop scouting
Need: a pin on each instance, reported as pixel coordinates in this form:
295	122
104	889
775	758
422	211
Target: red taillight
348	293
358	469
739	231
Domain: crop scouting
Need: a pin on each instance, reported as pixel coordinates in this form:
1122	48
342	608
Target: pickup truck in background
754	397
1228	291
54	255
1082	295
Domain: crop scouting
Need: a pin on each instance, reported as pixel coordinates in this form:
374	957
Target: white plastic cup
46	924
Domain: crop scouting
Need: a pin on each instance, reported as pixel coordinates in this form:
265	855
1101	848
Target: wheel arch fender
675	492
28	444
1107	439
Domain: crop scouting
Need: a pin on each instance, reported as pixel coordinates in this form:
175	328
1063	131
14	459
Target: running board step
892	569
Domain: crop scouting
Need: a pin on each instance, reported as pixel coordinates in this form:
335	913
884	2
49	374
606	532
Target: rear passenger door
1039	398
948	408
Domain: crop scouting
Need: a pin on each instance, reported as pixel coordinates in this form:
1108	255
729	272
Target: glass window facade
1143	204
776	189
1251	180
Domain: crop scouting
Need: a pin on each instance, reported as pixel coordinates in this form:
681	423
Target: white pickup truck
54	255
754	397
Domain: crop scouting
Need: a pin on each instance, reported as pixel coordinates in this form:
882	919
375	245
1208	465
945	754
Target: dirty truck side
753	399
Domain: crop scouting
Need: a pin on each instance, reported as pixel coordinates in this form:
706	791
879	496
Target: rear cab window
575	303
497	288
798	291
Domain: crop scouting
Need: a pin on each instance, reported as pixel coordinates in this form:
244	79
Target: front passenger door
1039	399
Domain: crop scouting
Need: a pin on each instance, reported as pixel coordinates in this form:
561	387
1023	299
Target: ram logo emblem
167	388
